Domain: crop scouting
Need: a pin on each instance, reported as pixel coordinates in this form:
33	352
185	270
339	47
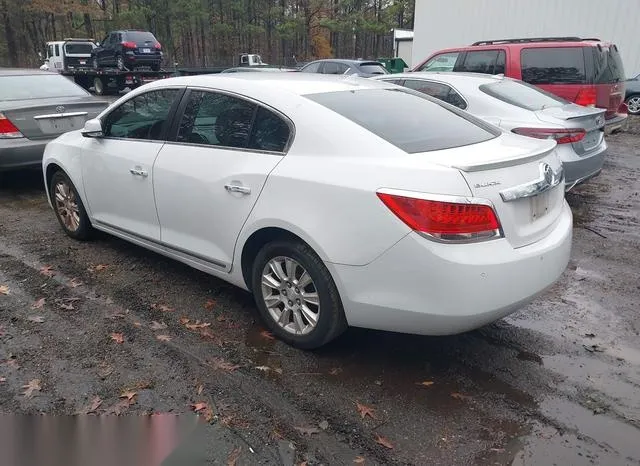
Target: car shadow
21	182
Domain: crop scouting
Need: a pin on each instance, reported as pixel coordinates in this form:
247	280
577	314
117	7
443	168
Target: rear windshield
607	65
35	86
78	49
407	119
522	95
564	65
373	68
140	36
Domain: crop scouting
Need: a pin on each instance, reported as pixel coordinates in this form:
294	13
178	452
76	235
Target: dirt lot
558	382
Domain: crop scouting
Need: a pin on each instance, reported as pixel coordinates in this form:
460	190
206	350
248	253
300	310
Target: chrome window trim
548	179
60	115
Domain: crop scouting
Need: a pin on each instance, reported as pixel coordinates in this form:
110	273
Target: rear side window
373	68
607	65
407	119
269	132
483	61
522	95
442	62
563	65
438	90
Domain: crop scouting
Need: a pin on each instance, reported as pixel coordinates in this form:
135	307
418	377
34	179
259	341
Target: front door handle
234	188
138	172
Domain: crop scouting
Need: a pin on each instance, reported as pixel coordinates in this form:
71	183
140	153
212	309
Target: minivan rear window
608	65
522	95
562	65
407	119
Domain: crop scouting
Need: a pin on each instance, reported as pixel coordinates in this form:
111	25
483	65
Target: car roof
23	72
346	61
493	45
292	83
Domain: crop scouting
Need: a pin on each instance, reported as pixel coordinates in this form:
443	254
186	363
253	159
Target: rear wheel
100	85
68	207
633	104
296	296
155	67
96	65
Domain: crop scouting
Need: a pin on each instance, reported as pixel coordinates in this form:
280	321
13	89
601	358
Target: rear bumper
21	153
137	59
422	287
579	168
615	123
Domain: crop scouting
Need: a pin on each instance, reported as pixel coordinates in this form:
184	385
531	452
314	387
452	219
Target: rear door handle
138	172
234	188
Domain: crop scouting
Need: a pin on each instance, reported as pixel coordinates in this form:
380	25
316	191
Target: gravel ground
558	382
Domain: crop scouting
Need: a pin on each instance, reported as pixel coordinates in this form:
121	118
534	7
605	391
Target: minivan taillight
158	46
561	136
444	220
586	97
8	130
130	45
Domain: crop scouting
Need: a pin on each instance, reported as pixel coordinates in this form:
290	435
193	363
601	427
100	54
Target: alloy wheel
290	295
634	105
120	63
67	206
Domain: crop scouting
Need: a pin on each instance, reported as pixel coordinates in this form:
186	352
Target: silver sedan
523	109
36	107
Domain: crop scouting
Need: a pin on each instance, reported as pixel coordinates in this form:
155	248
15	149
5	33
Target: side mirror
92	129
97	44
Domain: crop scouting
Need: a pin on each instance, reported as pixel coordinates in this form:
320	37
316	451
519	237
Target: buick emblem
599	121
547	173
60	109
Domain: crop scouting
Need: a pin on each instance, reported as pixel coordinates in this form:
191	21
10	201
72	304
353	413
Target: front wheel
296	296
68	207
633	104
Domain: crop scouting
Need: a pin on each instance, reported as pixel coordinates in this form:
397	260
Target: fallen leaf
3	379
197	407
4	290
219	363
324	425
197	325
129	395
119	407
593	348
267	334
116	315
460	396
233	457
162	307
184	320
11	362
38	304
157	325
365	411
384	442
200	389
105	370
358	460
426	383
278	370
203	409
47	271
93	407
221	318
32	386
67	306
210	304
117	337
98	268
75	283
137	324
263	368
307	430
335	370
163	338
590	335
36	319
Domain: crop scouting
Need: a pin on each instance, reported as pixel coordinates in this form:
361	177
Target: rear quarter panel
66	152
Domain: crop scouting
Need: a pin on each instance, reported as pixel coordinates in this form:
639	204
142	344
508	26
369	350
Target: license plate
146	50
83	62
540	205
60	125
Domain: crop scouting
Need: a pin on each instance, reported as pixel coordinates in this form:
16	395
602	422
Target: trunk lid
49	118
519	176
592	120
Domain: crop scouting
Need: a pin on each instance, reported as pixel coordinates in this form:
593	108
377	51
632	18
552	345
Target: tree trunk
9	34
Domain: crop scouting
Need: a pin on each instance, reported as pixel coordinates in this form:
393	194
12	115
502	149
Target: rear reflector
8	130
561	136
444	220
586	97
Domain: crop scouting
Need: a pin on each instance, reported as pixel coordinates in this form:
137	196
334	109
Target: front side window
438	90
333	68
560	65
483	61
217	120
442	62
143	117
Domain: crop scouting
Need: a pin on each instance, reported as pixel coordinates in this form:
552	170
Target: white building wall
453	23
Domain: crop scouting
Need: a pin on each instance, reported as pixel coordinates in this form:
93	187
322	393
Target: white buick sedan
336	201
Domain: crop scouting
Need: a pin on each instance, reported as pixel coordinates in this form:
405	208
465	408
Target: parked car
128	49
632	97
36	107
288	172
363	68
243	69
588	72
522	109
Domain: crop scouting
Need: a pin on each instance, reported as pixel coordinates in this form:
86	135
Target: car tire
318	294
100	86
633	104
155	67
96	63
68	207
120	63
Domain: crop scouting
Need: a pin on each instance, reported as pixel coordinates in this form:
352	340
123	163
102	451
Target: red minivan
588	72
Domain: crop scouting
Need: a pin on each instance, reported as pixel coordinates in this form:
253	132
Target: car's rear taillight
586	97
561	136
8	130
130	45
158	46
447	219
